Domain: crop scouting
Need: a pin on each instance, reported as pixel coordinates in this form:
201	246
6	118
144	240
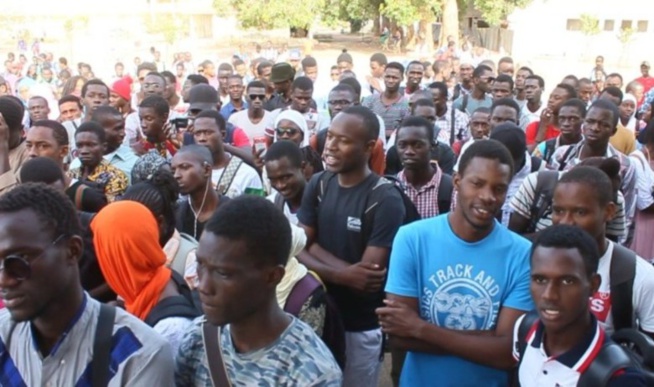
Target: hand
399	320
137	145
364	276
546	116
258	160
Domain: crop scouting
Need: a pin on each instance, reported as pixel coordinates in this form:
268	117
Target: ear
65	150
274	275
207	169
456	181
75	248
609	212
595	282
104	147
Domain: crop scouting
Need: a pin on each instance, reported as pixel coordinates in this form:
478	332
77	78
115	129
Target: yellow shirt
623	140
106	175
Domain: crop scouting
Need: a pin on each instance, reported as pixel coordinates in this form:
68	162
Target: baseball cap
203	97
281	72
645	63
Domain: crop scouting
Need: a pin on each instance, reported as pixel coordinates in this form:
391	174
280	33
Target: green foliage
170	27
269	14
625	35
495	11
589	24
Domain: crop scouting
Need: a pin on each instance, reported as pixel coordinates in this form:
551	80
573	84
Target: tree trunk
376	24
450	21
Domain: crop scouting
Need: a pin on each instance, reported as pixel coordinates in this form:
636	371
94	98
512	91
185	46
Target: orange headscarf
126	240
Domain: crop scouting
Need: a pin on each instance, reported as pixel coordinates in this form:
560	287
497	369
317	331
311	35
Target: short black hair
614	92
220	120
395	65
380	58
441	86
370	121
593	177
508	102
615	75
302	83
284	148
70	98
563	236
527	69
343	87
41	170
415	62
586	81
159	194
53	208
170	77
92	127
101	112
503	78
424	102
202	152
486	149
572	93
12	111
41	98
151	67
262	227
59	133
354	84
480	70
159	104
541	81
92	82
505	59
225	67
197	79
309	61
262	65
158	75
607	105
576	103
481	109
419	122
255	83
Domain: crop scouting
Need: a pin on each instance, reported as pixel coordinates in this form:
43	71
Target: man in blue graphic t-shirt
458	282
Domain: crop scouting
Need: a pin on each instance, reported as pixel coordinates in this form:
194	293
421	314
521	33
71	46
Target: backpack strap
525	326
543	192
175	306
610	359
452	118
536	162
213	350
300	293
622	272
564	159
102	346
549	149
228	175
464	103
279	201
445	188
186	244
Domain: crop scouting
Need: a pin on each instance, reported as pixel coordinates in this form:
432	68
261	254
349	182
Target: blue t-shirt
461	286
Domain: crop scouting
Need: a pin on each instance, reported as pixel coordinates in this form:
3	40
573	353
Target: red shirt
647	83
532	130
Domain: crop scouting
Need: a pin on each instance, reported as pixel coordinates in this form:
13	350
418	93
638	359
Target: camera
179	122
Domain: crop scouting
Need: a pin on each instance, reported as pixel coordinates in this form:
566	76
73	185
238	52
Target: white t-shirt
245	177
643	293
292	218
644	180
241	120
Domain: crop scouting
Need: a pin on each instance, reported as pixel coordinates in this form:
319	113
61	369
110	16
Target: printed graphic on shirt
600	305
461	298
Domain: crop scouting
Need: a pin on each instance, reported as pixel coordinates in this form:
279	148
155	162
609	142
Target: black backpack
542	204
186	304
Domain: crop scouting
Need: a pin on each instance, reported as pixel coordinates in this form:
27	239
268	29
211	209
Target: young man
70	108
455	314
623	139
428	187
350	256
91	142
255	119
586	90
285	170
48	327
531	111
191	167
566	338
48	139
230	176
154	85
570	118
121	96
502	87
465	85
38	109
12	148
545	128
584	198
281	75
391	105
153	114
482	77
236	103
375	79
452	124
225	70
519	91
241	260
95	93
301	98
414	73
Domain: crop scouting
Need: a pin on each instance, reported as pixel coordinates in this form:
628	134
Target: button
545	372
63	362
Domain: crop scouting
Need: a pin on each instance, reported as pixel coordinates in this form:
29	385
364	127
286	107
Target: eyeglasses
257	96
19	268
290	131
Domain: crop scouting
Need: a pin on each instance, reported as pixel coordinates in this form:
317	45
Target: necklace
196	215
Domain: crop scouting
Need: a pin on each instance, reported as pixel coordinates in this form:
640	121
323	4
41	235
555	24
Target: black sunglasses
257	96
289	131
18	268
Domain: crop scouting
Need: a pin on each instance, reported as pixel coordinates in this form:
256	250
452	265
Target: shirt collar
122	152
65	333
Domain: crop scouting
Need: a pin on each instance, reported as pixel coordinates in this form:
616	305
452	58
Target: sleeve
403	265
189	356
155	368
522	201
232	119
389	216
463	123
382	131
240	138
516	339
531	131
308	213
117	185
644	294
644	184
519	296
539	151
377	160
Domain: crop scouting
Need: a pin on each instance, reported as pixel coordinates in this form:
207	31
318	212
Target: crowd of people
260	223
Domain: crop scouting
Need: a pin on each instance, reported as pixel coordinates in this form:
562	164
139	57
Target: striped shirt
392	114
138	357
424	198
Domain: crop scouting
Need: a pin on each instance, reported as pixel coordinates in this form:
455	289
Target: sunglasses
290	131
19	268
257	96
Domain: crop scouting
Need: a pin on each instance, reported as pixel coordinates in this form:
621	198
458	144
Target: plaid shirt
424	198
444	126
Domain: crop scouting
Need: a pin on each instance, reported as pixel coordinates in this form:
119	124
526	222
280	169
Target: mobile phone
260	143
179	123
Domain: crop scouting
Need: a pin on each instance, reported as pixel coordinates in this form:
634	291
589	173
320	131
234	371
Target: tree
495	11
590	28
270	14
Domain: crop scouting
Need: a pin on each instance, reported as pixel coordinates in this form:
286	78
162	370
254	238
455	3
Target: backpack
181	305
612	357
445	188
373	198
542	203
333	334
227	178
186	244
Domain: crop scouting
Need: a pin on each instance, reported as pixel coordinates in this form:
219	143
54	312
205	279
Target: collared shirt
392	114
138	356
111	179
230	109
443	125
424	198
17	157
122	158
